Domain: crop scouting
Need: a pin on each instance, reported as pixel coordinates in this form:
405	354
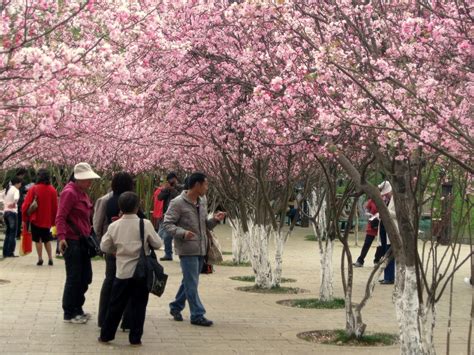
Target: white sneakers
79	319
467	280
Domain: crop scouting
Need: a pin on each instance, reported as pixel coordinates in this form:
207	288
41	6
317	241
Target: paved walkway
31	320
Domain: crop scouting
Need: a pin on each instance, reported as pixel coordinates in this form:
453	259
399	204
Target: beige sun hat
385	187
83	171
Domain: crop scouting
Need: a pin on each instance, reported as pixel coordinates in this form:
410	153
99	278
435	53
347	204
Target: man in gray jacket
186	220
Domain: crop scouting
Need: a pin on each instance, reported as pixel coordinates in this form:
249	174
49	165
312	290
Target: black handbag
149	269
374	224
91	242
207	268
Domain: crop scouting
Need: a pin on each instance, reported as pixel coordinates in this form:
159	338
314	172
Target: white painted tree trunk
415	321
258	237
280	239
326	290
326	246
240	247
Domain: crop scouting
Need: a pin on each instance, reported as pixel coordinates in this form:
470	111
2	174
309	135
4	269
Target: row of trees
261	97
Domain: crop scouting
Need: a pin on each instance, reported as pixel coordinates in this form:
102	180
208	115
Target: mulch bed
274	290
338	337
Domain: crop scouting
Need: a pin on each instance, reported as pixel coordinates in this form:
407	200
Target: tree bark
240	247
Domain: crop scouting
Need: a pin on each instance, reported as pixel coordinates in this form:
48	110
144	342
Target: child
123	239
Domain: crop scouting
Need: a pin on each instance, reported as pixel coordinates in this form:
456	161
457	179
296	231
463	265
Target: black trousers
126	291
106	292
365	248
78	277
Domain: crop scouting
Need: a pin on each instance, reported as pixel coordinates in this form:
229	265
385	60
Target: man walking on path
186	221
170	190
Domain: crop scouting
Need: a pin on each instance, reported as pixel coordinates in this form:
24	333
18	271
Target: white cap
83	171
385	188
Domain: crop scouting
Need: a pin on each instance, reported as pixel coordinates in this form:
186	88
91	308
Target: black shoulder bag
149	269
92	244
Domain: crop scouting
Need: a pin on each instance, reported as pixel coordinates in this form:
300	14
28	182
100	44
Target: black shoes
166	258
40	262
177	316
386	282
203	322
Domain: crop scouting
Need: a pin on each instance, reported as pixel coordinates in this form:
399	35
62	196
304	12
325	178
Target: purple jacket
75	207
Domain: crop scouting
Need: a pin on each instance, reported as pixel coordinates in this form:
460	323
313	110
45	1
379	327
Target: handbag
91	242
214	251
33	205
207	268
374	224
149	269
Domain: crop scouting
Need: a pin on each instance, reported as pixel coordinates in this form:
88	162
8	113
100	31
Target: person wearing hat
73	224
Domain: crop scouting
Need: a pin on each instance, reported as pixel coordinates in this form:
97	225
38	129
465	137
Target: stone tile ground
31	316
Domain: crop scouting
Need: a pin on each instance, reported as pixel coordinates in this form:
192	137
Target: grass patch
95	258
339	337
232	263
273	290
226	253
252	279
310	237
314	303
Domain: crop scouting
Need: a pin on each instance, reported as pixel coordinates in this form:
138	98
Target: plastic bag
26	243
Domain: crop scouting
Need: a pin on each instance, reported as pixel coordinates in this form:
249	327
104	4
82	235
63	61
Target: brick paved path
31	315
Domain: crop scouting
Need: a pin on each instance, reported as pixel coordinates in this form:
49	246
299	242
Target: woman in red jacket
42	219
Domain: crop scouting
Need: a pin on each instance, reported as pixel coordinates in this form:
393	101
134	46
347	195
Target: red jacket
372	209
157	204
47	198
75	209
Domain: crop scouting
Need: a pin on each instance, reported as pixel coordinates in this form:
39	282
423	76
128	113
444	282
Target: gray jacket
181	216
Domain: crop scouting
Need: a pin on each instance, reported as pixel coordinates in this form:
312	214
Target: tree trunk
240	247
415	321
280	241
326	290
258	236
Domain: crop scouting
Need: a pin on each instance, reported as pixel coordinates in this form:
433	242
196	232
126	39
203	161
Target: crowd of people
119	224
180	217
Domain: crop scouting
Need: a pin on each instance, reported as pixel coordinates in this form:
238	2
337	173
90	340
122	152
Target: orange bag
26	243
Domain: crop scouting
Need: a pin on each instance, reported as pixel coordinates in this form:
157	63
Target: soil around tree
251	278
313	303
273	290
340	338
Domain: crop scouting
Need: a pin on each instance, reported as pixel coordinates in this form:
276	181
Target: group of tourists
120	226
21	207
116	219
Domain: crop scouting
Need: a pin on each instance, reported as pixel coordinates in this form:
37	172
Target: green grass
314	303
310	237
252	279
232	263
226	253
273	290
341	338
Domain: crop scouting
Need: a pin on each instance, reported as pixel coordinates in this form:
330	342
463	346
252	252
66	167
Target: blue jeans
167	240
191	267
389	272
11	222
